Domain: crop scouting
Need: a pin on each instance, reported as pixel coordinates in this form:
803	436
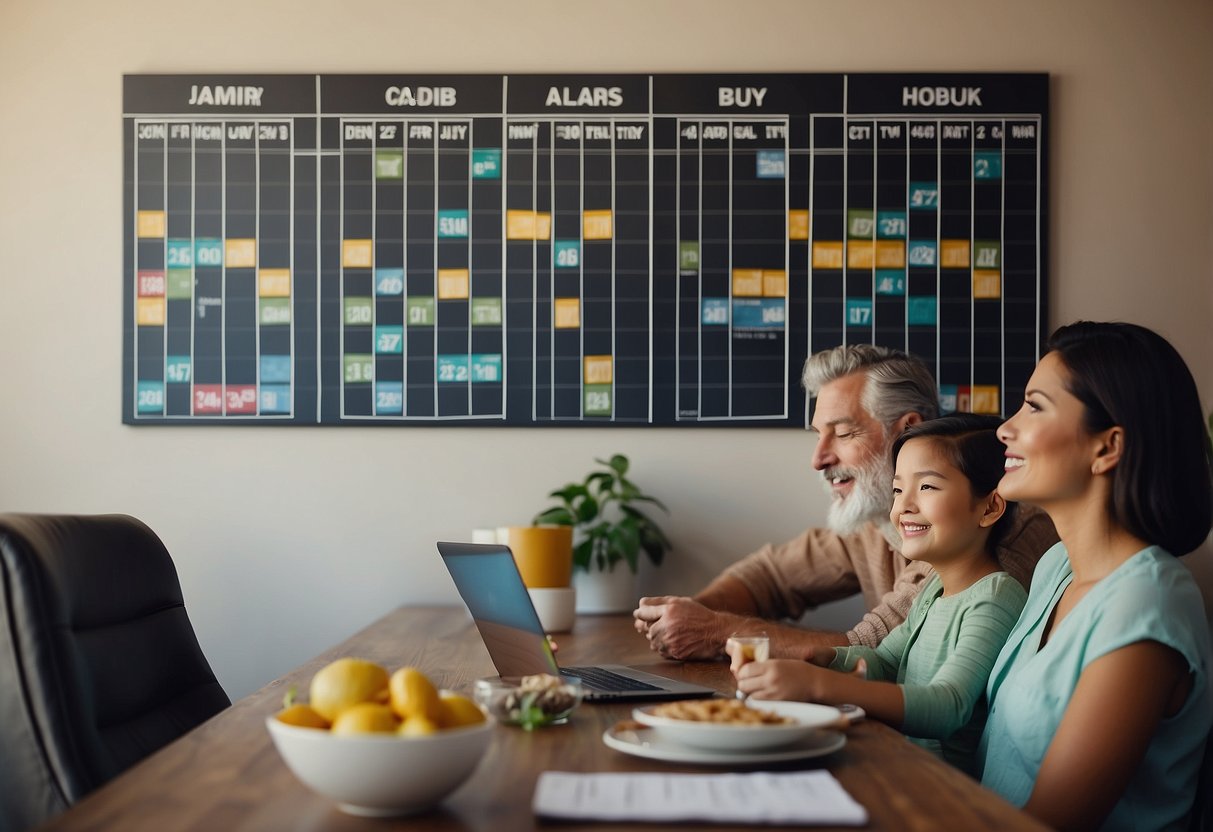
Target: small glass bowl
530	702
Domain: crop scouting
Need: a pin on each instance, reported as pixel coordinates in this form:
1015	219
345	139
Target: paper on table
801	797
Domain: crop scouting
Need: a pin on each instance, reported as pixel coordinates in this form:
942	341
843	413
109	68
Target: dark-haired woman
1100	699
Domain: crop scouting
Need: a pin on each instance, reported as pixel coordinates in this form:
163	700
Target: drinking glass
750	646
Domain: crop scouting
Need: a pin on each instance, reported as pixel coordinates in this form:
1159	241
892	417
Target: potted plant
609	528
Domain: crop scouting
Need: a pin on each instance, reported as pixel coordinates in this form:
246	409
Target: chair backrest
99	665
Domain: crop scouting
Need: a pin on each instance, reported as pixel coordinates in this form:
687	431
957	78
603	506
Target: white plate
644	742
733	737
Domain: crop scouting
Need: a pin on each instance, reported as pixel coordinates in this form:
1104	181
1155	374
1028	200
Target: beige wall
288	539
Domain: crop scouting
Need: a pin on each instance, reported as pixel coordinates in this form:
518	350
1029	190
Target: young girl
928	676
1100	697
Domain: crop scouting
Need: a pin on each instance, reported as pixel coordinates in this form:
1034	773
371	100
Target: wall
287	540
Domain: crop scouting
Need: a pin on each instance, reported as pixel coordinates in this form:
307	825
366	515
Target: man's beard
870	498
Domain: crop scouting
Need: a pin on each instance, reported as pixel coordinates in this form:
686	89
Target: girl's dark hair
1127	375
969	442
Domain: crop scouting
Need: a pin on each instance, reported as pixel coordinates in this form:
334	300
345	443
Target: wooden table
226	775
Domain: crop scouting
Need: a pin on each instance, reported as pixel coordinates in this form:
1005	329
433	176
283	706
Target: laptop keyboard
599	679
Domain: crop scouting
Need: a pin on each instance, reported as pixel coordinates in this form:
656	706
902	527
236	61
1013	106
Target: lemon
412	695
302	716
418	726
365	718
347	682
456	711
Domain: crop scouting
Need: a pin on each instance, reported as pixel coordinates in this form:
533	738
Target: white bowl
717	736
382	775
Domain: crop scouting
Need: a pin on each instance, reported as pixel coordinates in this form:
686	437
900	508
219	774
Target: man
866	395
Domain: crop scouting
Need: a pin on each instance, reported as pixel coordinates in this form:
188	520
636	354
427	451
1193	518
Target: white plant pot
603	592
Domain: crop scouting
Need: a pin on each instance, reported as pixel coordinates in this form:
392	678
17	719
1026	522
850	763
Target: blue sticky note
275	369
770	164
714	311
275	398
486	368
389	398
859	311
486	163
178	369
149	397
389	282
890	282
453	223
389	340
921	310
759	313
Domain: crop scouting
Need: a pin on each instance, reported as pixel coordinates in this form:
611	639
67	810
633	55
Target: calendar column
151	195
922	248
827	222
388	279
955	263
1023	291
589	263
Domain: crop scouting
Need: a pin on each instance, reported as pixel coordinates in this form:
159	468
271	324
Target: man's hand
680	628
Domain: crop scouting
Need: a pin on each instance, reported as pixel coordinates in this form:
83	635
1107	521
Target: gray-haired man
866	395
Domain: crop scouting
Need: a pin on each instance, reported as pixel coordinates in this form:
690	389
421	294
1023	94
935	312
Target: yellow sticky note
953	254
519	225
357	254
240	253
452	284
774	283
985	398
747	283
599	369
890	254
274	283
861	254
798	225
987	283
149	224
566	313
149	311
543	226
827	254
597	225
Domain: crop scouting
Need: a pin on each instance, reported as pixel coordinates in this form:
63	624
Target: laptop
488	581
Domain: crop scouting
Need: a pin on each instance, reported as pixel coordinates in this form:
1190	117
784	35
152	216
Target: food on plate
724	711
354	696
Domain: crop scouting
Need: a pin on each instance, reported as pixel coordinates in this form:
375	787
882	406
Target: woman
1099	701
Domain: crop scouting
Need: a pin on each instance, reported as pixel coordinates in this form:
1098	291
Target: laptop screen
490	585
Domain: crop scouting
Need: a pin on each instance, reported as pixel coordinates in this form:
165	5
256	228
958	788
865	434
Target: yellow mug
544	554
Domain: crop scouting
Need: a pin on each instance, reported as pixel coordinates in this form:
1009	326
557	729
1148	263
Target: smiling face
852	454
934	509
1049	450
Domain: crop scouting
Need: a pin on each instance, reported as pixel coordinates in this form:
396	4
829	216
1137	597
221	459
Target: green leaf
618	462
555	516
288	698
587	510
601	481
569	492
581	554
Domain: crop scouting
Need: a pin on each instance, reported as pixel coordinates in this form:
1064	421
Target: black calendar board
572	249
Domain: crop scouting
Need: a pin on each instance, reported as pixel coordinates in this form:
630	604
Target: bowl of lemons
381	744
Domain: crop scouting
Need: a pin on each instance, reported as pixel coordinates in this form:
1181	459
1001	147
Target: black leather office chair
99	665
